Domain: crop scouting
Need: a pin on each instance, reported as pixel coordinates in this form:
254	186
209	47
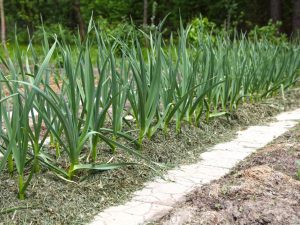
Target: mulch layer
51	200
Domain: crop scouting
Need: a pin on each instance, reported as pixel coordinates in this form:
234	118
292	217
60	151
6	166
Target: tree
145	15
296	16
79	19
275	8
3	28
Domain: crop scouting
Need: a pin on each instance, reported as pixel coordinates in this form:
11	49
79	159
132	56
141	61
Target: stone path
158	197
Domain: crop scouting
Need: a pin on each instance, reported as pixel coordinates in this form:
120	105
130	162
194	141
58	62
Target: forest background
280	18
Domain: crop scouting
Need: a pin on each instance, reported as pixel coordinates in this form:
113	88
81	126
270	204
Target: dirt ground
264	189
51	200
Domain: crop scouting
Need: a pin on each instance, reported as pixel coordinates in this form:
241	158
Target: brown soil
261	190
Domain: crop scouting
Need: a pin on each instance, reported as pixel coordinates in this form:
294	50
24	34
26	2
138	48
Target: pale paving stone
286	124
292	115
111	219
177	184
162	198
238	146
131	213
221	163
196	172
224	154
266	137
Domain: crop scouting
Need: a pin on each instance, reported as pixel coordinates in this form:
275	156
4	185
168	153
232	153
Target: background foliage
244	15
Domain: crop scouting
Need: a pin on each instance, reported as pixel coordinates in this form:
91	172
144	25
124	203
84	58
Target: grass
83	103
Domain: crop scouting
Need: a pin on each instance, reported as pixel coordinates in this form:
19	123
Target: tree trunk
296	16
79	19
3	28
145	16
275	8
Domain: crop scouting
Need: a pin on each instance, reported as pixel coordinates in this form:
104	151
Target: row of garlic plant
169	80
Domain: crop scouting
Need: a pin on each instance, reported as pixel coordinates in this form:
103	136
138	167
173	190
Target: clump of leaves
200	25
269	32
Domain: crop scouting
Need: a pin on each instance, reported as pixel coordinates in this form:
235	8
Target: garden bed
51	200
264	189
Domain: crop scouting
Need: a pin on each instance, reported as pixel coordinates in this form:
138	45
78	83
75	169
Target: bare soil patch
264	189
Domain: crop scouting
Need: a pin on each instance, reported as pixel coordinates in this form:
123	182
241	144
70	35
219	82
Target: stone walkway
158	197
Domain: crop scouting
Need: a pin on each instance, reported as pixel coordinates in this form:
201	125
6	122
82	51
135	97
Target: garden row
125	94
